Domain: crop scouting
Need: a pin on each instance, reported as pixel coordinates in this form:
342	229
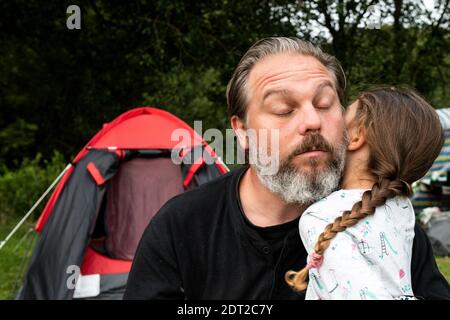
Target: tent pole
2	243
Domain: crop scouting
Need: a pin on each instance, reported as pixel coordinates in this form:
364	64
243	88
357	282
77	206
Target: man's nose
309	120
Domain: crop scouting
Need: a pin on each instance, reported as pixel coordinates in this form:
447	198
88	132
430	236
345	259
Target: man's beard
296	186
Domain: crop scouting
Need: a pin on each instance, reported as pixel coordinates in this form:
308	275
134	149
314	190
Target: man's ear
357	138
240	130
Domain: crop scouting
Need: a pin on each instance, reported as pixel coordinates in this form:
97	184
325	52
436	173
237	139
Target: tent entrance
134	195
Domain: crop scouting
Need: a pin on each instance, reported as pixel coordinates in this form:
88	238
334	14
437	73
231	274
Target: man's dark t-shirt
201	246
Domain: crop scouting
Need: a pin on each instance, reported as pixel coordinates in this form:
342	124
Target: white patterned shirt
370	260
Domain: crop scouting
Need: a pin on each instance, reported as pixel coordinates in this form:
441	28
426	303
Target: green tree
69	82
392	42
177	55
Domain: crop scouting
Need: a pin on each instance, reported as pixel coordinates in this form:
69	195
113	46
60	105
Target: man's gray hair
237	98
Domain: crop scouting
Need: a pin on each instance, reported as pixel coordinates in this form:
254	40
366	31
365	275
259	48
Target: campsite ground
444	266
12	257
13	253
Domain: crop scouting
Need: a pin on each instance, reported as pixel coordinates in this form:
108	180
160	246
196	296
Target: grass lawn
444	267
11	258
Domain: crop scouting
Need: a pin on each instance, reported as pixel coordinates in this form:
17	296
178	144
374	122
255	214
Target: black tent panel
66	233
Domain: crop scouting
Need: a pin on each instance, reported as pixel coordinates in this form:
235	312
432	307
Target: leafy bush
19	189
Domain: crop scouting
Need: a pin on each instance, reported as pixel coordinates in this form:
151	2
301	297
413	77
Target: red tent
96	215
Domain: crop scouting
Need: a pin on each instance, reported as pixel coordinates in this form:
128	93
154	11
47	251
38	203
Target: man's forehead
277	70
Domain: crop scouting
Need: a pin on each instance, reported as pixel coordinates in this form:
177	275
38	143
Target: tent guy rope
2	243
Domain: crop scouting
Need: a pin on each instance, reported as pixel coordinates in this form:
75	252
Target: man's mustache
312	142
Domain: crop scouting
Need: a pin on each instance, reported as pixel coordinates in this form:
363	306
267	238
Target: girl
364	251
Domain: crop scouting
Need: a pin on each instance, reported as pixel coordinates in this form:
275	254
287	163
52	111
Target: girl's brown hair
404	136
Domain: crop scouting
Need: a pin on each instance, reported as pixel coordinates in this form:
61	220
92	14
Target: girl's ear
240	130
357	137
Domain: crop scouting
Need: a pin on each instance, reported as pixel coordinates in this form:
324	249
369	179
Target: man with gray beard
235	237
294	186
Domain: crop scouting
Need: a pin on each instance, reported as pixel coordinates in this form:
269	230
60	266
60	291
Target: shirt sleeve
428	283
154	274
